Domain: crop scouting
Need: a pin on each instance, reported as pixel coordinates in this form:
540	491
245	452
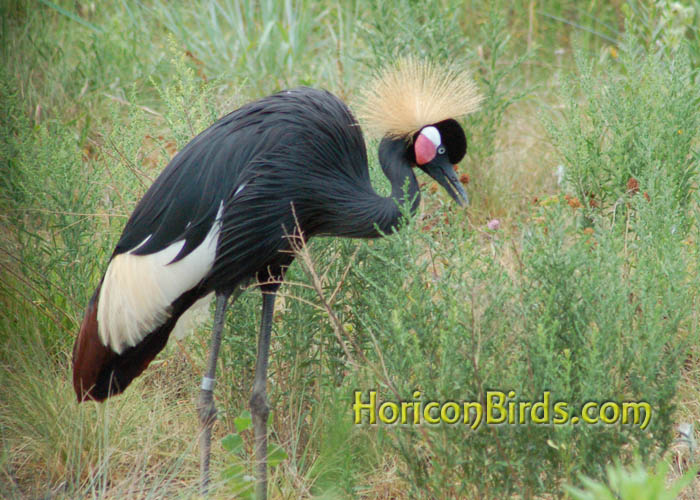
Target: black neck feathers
393	157
353	209
381	215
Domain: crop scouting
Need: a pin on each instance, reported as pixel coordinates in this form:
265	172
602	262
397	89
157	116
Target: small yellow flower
680	131
613	52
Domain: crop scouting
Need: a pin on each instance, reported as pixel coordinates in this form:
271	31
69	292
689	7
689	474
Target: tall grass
591	296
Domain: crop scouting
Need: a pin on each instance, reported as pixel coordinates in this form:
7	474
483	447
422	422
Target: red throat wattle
425	149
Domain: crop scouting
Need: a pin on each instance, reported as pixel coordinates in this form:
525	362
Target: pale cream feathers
413	93
138	290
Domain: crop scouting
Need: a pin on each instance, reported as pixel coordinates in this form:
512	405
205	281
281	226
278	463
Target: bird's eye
441	150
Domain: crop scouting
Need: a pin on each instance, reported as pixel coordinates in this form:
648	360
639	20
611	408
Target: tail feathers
98	371
89	355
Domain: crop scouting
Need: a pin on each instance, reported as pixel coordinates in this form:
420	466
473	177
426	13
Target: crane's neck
404	185
358	211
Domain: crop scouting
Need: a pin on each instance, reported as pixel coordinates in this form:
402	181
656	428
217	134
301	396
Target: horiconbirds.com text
498	408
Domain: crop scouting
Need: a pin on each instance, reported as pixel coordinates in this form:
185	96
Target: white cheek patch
426	145
432	134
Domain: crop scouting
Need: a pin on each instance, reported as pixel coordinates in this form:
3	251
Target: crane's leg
206	406
258	401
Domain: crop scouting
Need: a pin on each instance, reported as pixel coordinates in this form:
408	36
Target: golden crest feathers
413	93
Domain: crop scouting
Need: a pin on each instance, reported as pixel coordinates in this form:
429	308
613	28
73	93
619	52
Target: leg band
208	383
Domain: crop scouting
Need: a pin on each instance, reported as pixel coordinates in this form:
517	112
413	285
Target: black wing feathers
300	147
318	155
184	200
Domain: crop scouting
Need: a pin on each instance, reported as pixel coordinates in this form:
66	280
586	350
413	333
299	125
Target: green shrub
591	306
632	131
635	483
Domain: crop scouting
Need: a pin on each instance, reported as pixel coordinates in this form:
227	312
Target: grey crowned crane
218	217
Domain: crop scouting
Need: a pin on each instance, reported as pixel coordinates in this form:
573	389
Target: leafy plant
632	132
237	475
632	483
501	75
666	26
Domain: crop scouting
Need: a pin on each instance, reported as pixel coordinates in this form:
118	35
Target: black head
436	149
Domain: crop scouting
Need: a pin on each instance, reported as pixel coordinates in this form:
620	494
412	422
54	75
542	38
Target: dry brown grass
138	445
522	168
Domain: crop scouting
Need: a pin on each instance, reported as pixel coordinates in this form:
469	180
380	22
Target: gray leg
258	401
206	406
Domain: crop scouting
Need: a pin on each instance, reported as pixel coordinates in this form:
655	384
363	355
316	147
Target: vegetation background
585	151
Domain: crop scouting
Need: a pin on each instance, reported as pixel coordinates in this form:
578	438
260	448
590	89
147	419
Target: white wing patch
138	290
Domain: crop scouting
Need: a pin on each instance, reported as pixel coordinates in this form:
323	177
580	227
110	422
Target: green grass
588	289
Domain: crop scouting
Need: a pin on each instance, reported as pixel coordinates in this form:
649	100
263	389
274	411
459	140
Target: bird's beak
444	173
